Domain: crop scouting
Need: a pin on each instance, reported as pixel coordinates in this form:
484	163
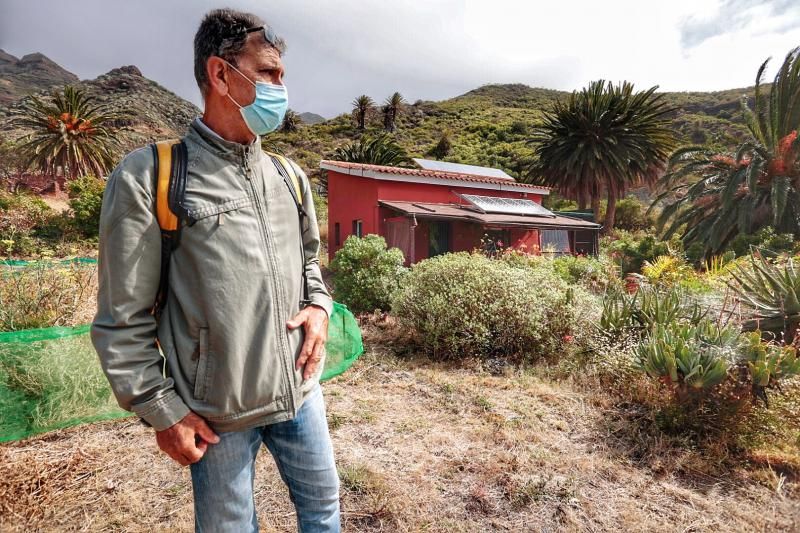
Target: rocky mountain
311	118
32	73
153	112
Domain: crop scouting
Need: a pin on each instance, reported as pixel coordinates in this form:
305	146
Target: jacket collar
210	140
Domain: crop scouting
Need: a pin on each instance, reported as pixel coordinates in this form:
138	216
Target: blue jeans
222	481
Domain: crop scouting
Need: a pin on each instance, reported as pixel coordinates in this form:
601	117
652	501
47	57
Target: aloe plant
768	363
772	292
619	314
648	308
689	358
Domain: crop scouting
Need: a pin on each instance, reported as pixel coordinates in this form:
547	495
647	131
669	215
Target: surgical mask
266	112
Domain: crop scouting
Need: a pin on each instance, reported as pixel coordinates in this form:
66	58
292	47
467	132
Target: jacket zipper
286	368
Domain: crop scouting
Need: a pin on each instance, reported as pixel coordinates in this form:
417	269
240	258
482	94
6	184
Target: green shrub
631	250
631	215
365	274
43	294
465	304
24	219
597	274
765	239
85	199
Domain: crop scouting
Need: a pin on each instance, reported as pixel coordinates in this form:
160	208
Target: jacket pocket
208	210
201	378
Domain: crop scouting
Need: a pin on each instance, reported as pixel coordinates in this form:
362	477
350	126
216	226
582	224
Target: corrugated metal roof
463	212
459	168
359	169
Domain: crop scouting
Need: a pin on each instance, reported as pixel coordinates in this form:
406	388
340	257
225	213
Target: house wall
353	197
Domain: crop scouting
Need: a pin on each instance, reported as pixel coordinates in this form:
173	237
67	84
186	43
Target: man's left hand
315	321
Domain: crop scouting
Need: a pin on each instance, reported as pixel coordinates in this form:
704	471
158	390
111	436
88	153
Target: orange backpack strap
167	220
170	171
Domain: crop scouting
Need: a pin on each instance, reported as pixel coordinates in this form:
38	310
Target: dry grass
420	447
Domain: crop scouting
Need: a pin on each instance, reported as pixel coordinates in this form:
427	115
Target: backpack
170	172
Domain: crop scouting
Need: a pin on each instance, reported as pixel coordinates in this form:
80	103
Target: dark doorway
438	238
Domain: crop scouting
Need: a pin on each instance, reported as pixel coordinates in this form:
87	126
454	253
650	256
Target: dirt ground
420	447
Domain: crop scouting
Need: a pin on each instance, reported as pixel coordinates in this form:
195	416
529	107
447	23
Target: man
242	354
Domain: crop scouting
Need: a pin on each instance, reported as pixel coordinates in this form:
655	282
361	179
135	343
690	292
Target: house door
438	238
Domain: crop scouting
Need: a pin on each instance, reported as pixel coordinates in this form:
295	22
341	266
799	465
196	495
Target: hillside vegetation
490	126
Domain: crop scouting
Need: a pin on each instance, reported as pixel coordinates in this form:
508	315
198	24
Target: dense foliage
603	140
71	133
378	150
463	305
712	197
366	274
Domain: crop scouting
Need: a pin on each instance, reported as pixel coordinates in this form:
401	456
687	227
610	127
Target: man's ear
217	75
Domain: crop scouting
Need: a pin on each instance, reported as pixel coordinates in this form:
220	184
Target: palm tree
378	150
391	108
291	121
361	107
603	140
72	133
718	196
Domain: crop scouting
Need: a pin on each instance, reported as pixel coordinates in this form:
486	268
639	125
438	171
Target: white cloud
434	49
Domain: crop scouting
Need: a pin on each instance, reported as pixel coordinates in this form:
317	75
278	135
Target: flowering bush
366	274
469	305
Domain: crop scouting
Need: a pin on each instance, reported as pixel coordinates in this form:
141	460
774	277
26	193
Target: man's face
259	61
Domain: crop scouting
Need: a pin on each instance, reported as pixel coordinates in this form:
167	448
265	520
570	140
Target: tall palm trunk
611	211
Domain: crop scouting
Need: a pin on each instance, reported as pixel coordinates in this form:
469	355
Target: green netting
22	263
51	378
344	344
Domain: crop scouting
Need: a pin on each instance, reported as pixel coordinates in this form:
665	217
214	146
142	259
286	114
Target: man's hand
315	321
180	441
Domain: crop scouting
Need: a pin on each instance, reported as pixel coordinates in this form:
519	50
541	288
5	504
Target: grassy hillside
490	125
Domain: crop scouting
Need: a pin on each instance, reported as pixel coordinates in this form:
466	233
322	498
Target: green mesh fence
23	263
51	378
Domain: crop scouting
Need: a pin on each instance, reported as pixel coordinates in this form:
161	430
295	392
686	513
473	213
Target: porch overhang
460	212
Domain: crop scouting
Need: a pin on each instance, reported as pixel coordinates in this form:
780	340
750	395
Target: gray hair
222	33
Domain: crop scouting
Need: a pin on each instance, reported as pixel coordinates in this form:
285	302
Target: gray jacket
234	281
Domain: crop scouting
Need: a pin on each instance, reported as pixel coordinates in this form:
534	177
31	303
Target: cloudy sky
426	49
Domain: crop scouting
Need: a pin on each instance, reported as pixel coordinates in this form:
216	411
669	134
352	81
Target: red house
446	207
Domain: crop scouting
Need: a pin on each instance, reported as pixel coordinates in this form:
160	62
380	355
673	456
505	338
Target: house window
438	238
495	240
337	234
358	228
555	242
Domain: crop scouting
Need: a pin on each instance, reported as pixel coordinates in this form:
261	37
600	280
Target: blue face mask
266	112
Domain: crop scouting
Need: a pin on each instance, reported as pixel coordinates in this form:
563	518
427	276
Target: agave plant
619	314
772	292
648	308
689	358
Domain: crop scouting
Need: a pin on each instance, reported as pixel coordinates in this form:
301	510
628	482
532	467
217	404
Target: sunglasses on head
269	35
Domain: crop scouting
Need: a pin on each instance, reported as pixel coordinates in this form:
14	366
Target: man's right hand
180	441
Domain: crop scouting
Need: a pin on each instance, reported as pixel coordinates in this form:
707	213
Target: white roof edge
365	173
